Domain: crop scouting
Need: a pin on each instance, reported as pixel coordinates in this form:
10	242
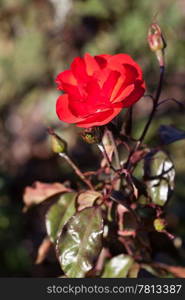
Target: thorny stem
77	170
155	104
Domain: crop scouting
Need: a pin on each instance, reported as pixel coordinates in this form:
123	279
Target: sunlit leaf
40	191
169	134
59	213
139	170
87	199
118	266
80	242
159	176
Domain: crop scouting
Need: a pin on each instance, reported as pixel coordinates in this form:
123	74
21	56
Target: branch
155	104
77	170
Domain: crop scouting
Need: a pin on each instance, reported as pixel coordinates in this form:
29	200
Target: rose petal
91	64
125	93
116	61
63	111
93	102
110	83
102	60
72	91
95	97
78	69
65	77
99	119
137	93
131	73
121	89
101	76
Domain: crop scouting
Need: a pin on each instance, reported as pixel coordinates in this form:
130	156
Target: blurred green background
38	39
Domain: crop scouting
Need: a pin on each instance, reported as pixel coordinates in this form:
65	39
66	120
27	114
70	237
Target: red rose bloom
98	88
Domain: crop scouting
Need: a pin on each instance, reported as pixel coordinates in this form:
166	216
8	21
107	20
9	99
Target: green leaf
80	242
118	266
159	176
59	213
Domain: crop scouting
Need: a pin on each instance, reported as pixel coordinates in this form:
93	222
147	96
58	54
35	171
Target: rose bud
156	42
159	224
58	145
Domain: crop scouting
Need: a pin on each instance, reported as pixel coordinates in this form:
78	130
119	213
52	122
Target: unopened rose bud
58	145
156	42
159	224
92	135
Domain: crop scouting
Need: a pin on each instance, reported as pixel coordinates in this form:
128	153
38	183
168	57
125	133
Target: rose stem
77	170
155	104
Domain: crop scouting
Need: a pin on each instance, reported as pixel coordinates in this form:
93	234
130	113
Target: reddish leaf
40	191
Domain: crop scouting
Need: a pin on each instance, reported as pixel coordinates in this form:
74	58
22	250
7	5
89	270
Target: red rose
98	88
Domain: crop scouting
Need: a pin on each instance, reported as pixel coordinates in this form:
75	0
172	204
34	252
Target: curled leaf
87	199
80	242
40	192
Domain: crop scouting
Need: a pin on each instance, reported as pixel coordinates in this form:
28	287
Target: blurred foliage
39	38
